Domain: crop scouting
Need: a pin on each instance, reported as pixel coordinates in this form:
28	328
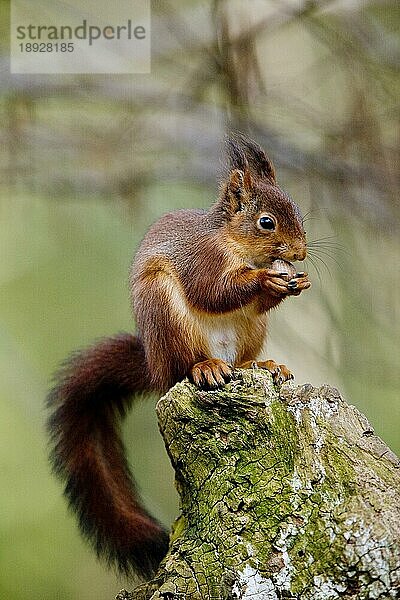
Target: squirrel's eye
266	223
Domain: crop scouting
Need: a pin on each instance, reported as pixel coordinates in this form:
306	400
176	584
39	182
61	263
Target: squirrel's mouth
276	262
262	263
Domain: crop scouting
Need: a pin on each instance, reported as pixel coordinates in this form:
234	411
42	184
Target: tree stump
285	493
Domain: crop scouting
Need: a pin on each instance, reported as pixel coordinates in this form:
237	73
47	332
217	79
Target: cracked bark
284	494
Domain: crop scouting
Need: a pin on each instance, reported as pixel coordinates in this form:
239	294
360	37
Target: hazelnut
284	267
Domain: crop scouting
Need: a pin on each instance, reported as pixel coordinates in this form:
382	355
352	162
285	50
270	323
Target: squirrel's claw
280	373
275	283
299	283
211	374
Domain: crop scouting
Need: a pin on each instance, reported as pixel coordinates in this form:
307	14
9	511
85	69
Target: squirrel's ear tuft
239	173
236	156
237	190
258	162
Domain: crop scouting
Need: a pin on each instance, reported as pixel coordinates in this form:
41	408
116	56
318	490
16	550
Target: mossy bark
285	493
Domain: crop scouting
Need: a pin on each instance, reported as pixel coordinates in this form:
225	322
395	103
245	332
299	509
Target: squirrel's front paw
211	374
298	283
276	283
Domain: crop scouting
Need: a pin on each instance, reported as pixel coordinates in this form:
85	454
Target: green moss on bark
283	495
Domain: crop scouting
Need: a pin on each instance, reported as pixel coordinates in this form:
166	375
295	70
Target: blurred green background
88	162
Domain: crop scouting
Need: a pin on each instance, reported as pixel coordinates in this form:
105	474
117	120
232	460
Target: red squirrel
201	286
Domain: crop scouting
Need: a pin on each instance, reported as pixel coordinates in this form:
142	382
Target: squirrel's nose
300	254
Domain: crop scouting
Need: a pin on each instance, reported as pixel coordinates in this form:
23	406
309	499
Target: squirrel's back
175	237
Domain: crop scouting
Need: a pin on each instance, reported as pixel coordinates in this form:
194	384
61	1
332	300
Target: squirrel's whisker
323	262
325	253
317	270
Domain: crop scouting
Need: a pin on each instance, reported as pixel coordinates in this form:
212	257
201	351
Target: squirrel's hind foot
280	373
211	374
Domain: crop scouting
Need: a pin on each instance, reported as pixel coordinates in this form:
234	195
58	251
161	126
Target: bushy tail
92	394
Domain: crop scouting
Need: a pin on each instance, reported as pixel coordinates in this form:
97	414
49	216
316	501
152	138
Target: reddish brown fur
93	391
201	289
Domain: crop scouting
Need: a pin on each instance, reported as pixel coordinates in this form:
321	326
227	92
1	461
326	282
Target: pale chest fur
234	337
221	335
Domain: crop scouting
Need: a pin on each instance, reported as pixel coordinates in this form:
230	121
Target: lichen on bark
285	493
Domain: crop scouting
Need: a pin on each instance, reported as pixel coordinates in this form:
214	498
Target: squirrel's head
262	221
